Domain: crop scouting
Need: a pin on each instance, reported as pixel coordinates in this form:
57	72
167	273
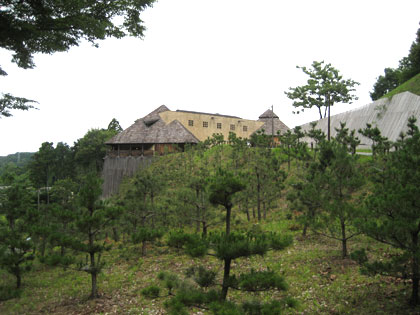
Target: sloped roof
271	120
152	117
268	114
152	129
210	114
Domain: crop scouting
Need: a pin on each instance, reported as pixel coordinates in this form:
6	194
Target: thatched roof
271	120
152	129
268	114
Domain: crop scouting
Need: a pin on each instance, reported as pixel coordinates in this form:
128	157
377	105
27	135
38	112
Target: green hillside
412	85
19	160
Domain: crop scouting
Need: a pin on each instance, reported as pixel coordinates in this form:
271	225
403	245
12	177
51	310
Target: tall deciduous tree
9	102
90	150
409	67
29	27
325	87
386	83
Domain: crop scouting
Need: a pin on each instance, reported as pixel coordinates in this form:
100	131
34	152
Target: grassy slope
318	278
412	85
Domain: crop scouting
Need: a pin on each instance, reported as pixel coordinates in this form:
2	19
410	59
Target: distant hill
412	85
19	159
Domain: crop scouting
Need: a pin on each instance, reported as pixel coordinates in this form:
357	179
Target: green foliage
412	85
360	256
202	276
147	234
401	79
16	246
380	145
178	238
84	227
9	102
56	259
50	164
347	138
225	308
324	88
187	296
340	179
392	209
259	281
90	150
235	245
151	292
8	293
272	308
386	83
223	185
171	281
48	27
14	162
115	125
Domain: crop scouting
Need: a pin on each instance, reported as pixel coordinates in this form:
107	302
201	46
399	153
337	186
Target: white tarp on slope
389	115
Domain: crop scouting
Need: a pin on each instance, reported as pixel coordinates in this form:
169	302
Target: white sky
234	57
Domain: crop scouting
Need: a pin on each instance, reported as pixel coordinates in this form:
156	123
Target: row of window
218	125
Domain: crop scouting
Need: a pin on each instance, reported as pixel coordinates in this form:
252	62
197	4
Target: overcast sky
234	57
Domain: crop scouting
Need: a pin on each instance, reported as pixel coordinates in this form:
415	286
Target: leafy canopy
30	27
325	87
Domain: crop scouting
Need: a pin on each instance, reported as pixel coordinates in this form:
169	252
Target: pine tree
392	211
85	233
226	246
16	247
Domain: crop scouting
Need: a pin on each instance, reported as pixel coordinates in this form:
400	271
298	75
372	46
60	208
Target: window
205	124
219	125
245	128
190	122
232	127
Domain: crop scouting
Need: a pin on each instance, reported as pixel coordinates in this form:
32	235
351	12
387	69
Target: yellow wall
202	133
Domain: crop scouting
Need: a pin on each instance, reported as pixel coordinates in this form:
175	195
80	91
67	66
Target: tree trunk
258	197
43	246
94	292
329	119
18	277
115	234
197	228
228	212
343	239
253	212
143	248
264	210
153	208
305	228
225	286
204	228
415	271
247	213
